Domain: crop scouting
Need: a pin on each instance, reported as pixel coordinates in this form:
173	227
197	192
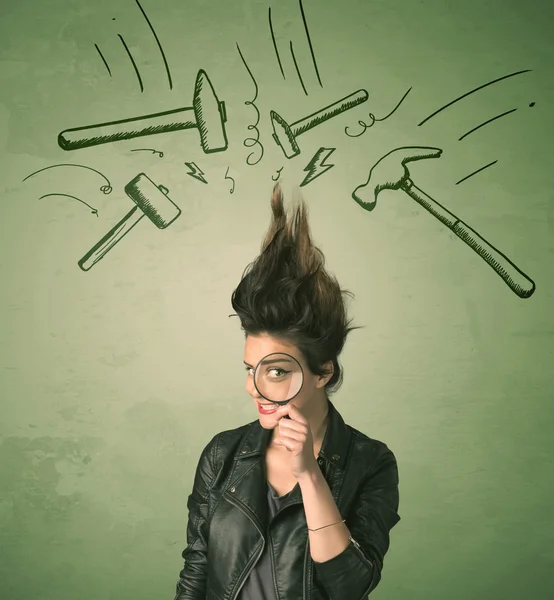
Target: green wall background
114	379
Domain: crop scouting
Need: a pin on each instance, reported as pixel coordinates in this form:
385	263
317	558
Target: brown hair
287	293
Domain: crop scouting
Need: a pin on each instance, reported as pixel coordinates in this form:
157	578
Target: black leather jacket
228	524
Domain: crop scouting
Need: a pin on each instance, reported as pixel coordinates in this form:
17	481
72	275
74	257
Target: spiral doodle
249	142
374	118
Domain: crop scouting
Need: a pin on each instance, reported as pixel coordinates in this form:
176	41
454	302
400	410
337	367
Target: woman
297	507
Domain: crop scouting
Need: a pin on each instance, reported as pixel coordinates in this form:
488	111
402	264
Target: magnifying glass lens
278	377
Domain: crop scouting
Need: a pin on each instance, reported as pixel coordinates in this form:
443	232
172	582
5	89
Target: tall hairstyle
287	293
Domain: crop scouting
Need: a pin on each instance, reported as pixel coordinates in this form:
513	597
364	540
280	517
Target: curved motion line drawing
469	94
157	42
275	45
278	174
158	152
477	171
285	135
486	123
150	200
103	59
229	177
249	142
308	37
309	41
207	114
93	210
297	68
317	166
137	73
105	189
374	118
390	172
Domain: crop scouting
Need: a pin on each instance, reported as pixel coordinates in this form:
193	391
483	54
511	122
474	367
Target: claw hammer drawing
390	172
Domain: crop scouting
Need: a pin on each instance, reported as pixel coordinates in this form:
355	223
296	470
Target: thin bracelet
327	525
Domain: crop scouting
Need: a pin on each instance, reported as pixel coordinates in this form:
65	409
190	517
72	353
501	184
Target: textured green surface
108	392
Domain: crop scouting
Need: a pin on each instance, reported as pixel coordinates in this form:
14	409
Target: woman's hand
295	435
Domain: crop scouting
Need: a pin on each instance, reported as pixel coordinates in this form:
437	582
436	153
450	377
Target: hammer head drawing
210	115
391	173
283	135
152	201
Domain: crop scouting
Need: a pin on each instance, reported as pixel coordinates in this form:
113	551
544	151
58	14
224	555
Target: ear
322	380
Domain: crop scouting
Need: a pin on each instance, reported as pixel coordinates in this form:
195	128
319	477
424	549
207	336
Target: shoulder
225	442
376	452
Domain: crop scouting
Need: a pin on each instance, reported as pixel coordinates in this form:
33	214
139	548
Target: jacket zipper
307	595
251	568
367	561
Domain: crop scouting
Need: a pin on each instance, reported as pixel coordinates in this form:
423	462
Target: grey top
259	585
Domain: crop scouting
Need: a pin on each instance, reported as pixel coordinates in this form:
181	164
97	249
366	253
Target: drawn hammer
390	172
151	201
285	135
207	114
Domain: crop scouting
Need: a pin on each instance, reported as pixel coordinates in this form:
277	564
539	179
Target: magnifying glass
278	377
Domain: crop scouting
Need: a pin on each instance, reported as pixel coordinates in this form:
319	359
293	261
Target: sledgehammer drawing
390	172
207	114
151	201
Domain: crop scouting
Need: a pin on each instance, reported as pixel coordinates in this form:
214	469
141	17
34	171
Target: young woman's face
256	348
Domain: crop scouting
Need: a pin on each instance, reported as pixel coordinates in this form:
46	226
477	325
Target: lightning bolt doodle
317	166
196	172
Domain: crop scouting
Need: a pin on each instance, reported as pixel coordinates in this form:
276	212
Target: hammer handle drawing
111	238
305	124
518	282
127	129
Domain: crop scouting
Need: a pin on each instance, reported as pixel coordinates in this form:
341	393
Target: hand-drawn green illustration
475	172
489	121
374	118
297	68
105	189
433	114
151	201
252	141
227	176
309	39
93	210
317	166
285	135
158	152
157	42
196	172
103	60
390	172
133	62
128	51
472	91
278	174
207	114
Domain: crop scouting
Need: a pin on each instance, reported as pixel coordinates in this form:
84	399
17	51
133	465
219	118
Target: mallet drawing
151	201
390	172
207	114
285	135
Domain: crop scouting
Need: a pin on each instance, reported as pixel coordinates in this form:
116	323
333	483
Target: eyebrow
271	362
